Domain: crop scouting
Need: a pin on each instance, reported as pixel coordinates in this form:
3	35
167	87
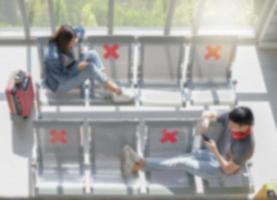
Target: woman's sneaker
126	96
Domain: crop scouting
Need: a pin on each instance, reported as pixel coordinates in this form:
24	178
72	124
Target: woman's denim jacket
55	70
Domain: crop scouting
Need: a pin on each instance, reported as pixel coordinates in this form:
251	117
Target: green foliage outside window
127	13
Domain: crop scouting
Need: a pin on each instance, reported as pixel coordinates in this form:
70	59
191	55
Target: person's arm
205	120
82	65
229	167
71	71
54	64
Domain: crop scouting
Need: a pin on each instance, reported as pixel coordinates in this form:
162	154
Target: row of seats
76	157
156	69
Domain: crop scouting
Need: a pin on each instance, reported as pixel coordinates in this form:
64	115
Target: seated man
218	161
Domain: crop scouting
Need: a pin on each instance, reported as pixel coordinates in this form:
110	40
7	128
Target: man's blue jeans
94	72
202	163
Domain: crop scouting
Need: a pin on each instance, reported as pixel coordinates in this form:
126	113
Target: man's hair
242	116
62	37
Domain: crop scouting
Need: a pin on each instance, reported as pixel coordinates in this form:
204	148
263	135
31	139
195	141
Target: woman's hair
242	116
62	37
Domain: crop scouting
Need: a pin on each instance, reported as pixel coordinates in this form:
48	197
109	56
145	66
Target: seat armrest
38	97
34	155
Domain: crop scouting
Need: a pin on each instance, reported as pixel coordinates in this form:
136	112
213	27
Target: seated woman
63	72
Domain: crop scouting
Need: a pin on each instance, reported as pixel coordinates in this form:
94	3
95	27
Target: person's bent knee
89	69
92	55
97	74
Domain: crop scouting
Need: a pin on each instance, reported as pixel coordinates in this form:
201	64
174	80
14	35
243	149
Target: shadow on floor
268	63
22	136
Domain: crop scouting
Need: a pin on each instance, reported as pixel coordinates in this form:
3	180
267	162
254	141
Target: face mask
241	135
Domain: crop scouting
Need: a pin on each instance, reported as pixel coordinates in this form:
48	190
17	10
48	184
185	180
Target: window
183	13
182	17
10	19
226	13
38	16
89	13
140	14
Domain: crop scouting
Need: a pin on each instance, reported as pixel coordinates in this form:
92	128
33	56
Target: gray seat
160	70
59	162
240	184
117	54
120	65
209	74
46	97
172	181
107	141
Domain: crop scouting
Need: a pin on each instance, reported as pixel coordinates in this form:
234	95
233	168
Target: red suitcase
20	94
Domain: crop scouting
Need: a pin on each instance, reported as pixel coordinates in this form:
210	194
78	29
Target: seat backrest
107	141
117	54
168	138
42	45
59	143
211	59
161	60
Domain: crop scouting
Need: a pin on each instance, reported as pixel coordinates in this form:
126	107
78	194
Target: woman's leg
102	78
88	73
92	56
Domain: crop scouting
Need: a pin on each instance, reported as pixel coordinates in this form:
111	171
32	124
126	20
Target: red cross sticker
213	52
169	136
110	51
58	136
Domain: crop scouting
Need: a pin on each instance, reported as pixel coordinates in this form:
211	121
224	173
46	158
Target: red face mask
241	135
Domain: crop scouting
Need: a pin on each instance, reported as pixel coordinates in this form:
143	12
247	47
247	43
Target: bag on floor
20	94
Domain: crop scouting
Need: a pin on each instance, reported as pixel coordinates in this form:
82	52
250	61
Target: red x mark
111	51
213	52
169	136
58	136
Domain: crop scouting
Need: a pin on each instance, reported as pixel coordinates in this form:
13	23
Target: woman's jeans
93	72
202	163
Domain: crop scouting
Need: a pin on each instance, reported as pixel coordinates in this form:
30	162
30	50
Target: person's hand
80	32
82	50
119	91
203	126
77	40
211	145
83	65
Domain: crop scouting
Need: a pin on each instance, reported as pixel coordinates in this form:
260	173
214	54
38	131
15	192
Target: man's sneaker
128	159
134	155
125	97
127	163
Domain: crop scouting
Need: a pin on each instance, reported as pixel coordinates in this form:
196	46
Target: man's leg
201	164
